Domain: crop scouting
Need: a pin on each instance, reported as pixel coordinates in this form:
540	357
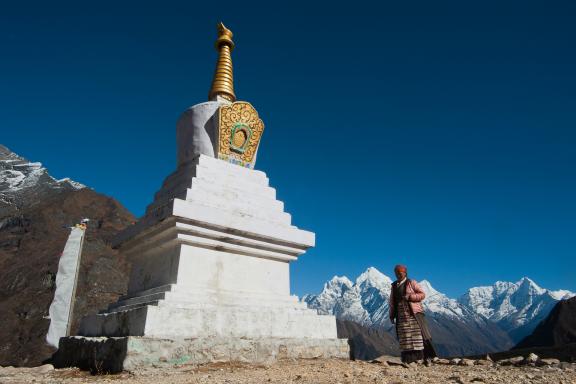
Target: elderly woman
407	312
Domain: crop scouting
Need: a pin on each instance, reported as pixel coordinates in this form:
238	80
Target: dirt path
302	371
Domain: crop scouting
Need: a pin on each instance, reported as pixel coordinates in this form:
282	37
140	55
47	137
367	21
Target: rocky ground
385	371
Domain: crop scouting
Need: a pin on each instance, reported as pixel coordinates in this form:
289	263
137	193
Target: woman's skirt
409	334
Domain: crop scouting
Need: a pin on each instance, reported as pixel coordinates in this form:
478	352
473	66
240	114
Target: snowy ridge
504	299
22	180
333	290
514	307
367	301
561	294
336	292
437	302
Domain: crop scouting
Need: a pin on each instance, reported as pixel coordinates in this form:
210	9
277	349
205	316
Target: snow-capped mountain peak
561	294
374	278
499	287
367	303
529	286
334	289
337	286
17	174
23	181
339	281
515	308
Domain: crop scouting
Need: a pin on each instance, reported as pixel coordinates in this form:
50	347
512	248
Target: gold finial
223	83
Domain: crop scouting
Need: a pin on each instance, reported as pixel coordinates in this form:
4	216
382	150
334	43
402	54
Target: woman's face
400	274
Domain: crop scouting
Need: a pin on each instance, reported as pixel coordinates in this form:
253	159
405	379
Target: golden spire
223	83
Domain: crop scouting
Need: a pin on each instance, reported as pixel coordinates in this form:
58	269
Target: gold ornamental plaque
240	130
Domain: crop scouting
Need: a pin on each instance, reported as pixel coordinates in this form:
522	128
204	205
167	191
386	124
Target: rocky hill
367	343
473	324
557	330
35	212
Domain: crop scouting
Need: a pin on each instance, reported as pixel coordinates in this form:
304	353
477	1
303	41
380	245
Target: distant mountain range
516	307
485	319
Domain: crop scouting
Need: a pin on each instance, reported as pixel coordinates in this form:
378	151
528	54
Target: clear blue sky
437	134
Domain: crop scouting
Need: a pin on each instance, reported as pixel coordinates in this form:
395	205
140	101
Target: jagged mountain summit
457	330
22	182
364	302
459	326
367	300
516	307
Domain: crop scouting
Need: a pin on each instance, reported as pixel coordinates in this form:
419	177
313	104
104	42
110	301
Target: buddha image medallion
239	138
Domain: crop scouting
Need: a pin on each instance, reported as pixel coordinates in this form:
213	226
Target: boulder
532	358
466	362
542	362
389	360
517	360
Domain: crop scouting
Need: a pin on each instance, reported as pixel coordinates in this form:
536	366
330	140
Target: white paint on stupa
210	259
213	263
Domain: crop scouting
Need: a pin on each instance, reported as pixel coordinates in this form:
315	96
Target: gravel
319	371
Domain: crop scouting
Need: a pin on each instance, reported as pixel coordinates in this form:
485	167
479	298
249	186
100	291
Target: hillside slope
35	212
557	330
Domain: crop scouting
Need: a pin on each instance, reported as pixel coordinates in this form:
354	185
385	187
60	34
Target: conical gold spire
223	83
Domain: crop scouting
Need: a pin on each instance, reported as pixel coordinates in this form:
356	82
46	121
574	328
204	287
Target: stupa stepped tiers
210	277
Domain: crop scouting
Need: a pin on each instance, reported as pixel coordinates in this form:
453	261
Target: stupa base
116	354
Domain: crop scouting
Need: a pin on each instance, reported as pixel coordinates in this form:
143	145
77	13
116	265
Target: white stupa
210	259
